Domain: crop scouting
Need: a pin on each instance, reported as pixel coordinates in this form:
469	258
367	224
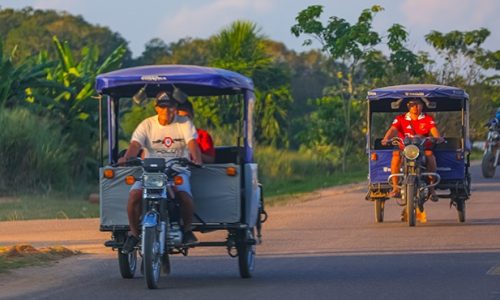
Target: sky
140	21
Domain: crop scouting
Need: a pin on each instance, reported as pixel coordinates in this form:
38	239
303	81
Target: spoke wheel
410	204
460	203
246	252
127	263
487	165
379	210
151	257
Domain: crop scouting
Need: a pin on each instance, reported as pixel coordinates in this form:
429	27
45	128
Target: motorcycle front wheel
410	204
151	257
487	165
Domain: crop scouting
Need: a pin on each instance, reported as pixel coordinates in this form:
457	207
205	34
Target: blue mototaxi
223	201
450	107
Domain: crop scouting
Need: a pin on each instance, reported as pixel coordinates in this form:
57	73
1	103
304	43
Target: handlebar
131	161
183	162
398	141
137	161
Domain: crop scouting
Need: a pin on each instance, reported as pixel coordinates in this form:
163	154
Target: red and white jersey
408	127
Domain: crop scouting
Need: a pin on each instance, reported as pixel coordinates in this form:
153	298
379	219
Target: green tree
464	57
74	107
241	48
31	30
468	65
155	51
18	81
186	51
354	46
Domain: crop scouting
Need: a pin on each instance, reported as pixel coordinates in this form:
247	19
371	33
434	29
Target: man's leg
134	210
431	167
187	209
187	212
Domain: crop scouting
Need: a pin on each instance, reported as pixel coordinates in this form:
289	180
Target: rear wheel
127	263
246	252
460	203
379	210
151	257
487	165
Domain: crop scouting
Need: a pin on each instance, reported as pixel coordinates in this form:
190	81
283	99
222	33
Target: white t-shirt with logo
165	141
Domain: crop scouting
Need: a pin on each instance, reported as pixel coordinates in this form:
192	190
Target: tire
487	165
379	210
127	263
246	253
165	264
468	183
410	203
460	203
151	257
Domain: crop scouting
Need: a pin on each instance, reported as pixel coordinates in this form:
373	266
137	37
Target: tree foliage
31	30
241	48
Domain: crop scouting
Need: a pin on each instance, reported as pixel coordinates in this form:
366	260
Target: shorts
184	187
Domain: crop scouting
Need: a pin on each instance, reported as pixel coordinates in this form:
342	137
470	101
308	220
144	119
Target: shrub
35	157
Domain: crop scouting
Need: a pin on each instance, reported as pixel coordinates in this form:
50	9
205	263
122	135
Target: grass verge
282	191
37	207
19	256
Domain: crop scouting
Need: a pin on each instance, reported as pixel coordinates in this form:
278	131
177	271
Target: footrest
113	244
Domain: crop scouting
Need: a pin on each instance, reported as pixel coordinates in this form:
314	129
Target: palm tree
241	48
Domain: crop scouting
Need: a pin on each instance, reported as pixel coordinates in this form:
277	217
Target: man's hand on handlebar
121	161
440	140
392	141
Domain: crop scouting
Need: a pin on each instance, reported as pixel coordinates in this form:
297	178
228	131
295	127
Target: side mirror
429	104
179	95
396	104
140	96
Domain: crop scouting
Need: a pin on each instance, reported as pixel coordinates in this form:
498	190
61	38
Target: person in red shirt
204	139
413	123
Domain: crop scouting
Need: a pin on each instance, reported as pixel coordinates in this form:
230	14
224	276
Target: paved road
325	248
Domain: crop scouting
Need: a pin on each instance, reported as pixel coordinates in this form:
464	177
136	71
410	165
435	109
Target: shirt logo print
168	141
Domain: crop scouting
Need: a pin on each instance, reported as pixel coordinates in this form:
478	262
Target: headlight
154	181
495	135
411	152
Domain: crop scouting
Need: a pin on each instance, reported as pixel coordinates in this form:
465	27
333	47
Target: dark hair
415	100
163	99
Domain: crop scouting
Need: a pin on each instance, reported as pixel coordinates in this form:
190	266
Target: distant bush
35	157
288	172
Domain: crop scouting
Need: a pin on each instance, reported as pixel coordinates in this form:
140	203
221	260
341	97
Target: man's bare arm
194	150
132	151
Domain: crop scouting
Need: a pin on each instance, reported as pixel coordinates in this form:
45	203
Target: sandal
433	197
130	244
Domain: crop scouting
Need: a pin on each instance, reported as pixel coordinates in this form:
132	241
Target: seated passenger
204	139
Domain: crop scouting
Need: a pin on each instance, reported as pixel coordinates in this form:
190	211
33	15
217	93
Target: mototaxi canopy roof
194	80
444	98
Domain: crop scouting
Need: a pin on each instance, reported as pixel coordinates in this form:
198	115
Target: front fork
410	171
152	219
